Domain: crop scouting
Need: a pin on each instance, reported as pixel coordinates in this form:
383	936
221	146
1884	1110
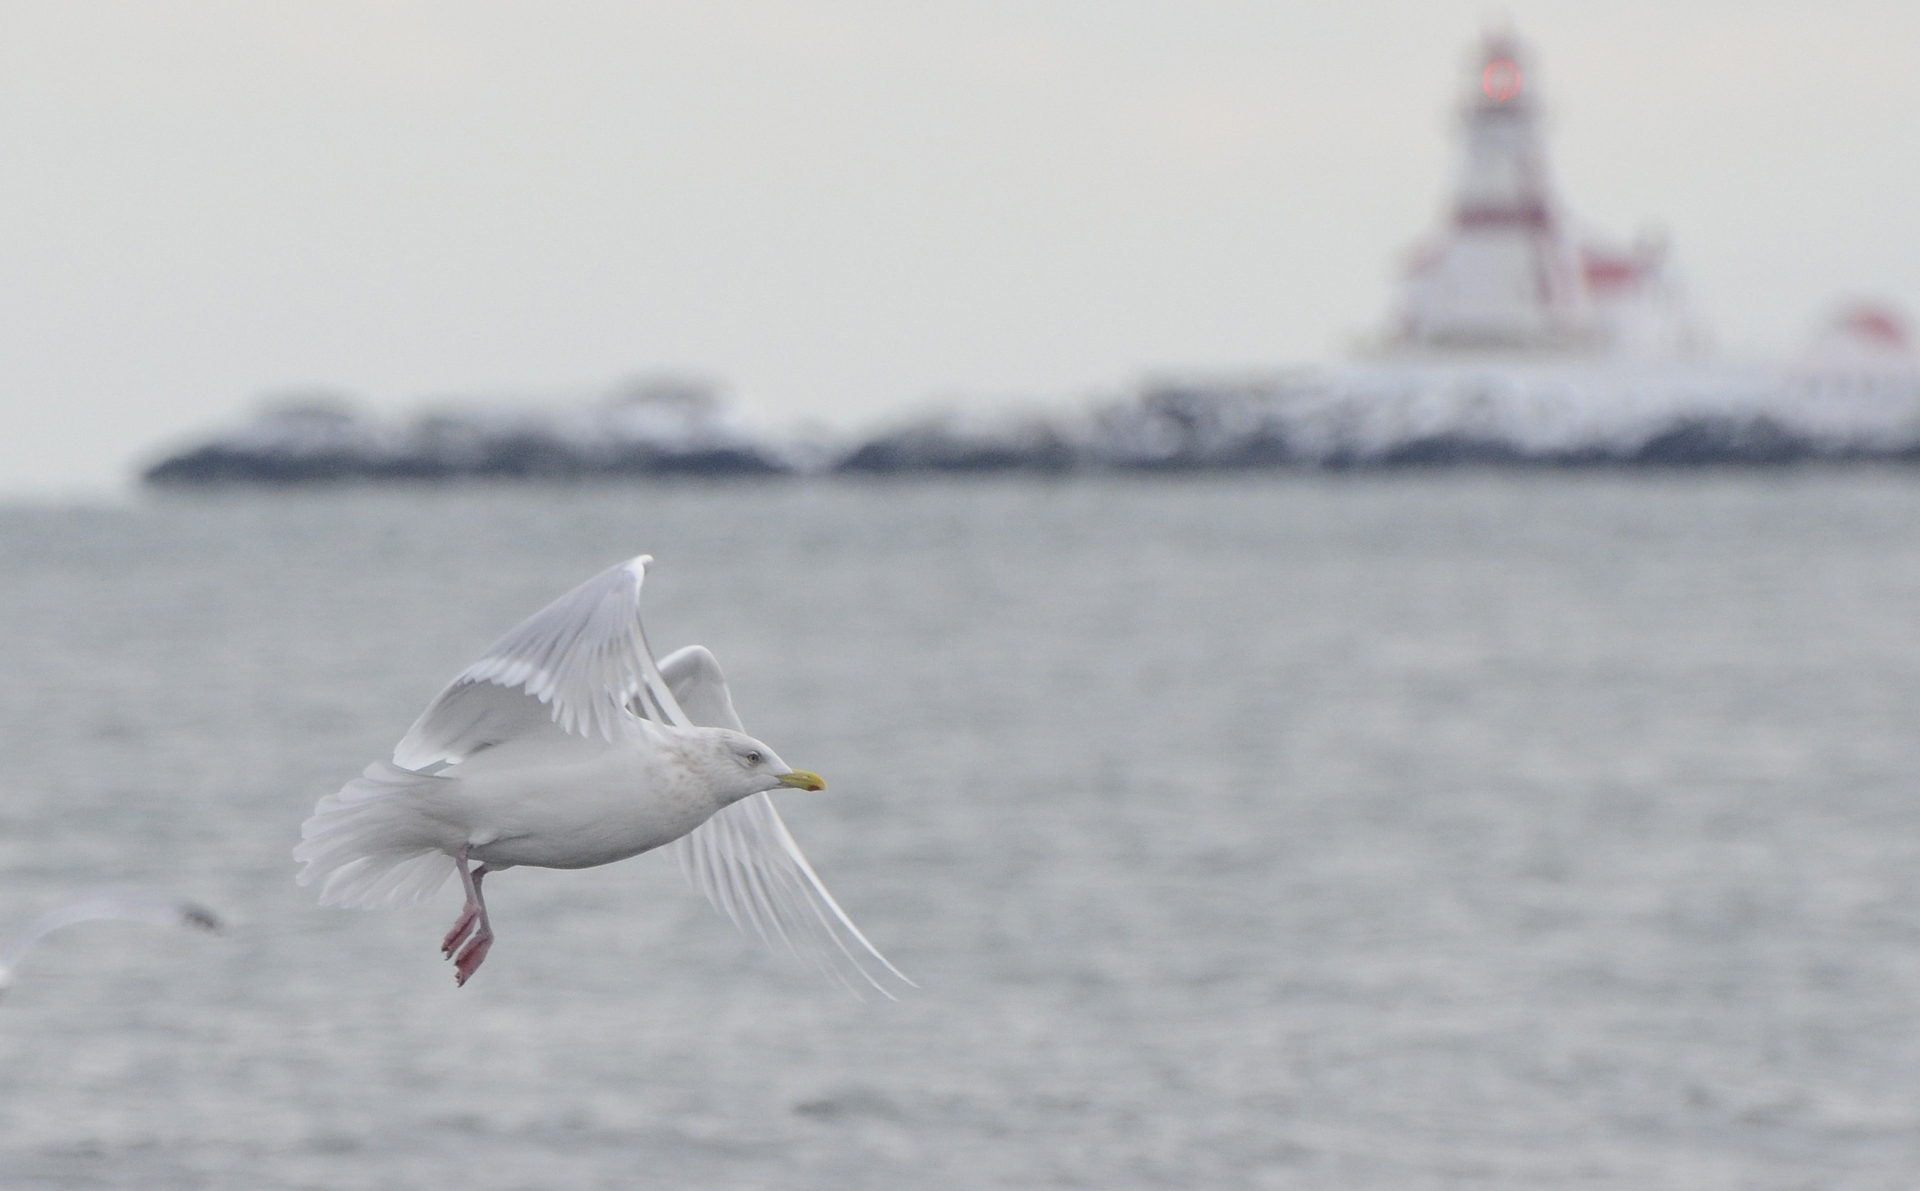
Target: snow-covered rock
653	428
1438	412
1365	415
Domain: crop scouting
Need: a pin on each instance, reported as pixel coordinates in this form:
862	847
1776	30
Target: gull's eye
754	757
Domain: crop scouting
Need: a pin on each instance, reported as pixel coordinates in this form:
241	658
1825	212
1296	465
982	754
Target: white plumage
567	746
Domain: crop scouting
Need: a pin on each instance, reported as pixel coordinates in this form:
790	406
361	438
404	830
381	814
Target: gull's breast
594	808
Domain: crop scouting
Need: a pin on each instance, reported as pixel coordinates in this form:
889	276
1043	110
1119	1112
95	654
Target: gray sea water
1447	830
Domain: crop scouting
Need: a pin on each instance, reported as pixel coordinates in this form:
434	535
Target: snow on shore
1370	415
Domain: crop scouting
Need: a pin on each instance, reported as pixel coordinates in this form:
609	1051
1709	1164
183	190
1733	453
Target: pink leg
470	939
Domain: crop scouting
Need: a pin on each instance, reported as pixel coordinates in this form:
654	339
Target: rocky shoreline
1378	416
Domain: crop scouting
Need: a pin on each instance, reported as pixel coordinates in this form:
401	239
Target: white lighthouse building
1507	274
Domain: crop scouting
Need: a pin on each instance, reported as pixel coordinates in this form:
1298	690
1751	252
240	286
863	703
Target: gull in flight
98	907
568	746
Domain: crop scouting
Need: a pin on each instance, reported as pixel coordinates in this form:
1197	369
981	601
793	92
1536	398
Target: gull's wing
747	863
579	667
121	906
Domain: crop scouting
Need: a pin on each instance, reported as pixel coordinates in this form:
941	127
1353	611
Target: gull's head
738	765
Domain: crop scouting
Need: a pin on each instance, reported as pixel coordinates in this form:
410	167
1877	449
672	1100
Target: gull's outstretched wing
580	666
747	863
96	907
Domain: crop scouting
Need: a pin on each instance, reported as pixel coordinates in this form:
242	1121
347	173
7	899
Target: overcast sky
841	208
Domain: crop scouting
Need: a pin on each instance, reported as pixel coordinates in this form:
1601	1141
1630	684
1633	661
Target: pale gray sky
844	207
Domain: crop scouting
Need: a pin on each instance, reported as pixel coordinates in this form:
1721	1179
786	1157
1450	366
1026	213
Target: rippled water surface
1378	832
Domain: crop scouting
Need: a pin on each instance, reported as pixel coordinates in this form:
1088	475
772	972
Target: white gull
103	907
567	746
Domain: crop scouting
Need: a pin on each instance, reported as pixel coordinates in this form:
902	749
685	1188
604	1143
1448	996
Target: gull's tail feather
367	845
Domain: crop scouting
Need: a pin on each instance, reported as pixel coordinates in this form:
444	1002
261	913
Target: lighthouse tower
1506	274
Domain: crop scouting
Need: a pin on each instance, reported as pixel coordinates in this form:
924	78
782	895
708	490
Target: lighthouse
1506	274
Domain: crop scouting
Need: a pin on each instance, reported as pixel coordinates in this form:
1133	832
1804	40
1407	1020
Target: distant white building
1507	275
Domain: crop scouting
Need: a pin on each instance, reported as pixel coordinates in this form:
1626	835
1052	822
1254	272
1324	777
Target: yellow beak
800	779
